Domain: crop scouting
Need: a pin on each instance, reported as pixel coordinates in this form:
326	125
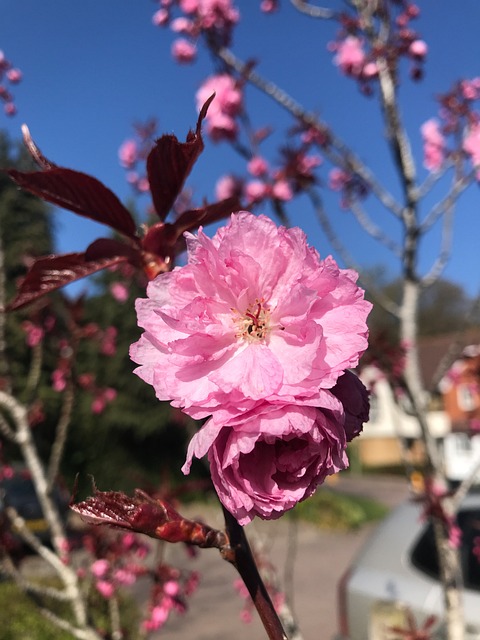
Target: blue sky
91	68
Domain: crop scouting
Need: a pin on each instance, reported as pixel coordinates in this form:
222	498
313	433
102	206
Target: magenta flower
433	145
264	462
254	316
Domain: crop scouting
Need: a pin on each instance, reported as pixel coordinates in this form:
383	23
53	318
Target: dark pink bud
352	393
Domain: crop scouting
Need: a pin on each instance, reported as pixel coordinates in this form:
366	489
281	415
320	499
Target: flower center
253	324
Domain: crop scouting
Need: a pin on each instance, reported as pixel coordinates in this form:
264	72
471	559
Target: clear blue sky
91	68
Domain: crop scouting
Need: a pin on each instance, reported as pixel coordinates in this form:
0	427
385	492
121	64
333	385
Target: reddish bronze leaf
53	272
111	248
206	215
77	192
170	162
143	514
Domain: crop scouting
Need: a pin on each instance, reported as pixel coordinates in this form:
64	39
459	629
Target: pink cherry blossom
418	49
14	75
128	153
228	186
257	166
255	190
350	56
338	179
433	145
160	17
105	588
227	104
184	51
265	462
119	291
282	191
254	315
471	145
100	568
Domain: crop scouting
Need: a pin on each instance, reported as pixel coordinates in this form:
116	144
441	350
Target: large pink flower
265	462
255	315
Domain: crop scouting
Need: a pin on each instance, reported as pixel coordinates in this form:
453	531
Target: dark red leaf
77	192
111	248
53	272
170	162
206	215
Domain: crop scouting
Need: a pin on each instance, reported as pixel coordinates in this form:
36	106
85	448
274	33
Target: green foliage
330	509
21	620
20	617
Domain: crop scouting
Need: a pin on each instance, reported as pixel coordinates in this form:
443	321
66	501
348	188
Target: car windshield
425	557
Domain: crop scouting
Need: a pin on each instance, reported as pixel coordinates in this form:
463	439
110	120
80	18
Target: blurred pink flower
338	179
257	166
119	291
264	462
282	191
160	17
471	145
220	118
255	190
105	588
100	568
184	51
350	56
128	153
418	49
227	187
254	315
433	145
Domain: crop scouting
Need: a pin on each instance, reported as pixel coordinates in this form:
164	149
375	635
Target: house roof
433	349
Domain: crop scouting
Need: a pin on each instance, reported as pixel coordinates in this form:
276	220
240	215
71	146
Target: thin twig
63	423
372	230
308	119
314	12
240	556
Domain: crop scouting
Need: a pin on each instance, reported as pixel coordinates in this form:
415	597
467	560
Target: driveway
321	557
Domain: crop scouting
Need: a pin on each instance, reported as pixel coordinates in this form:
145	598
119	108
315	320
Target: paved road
321	559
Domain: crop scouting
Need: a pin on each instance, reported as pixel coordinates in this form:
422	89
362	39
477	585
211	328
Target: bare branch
371	228
314	12
380	298
445	250
58	445
354	164
457	189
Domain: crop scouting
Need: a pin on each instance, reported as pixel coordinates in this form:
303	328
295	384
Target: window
424	554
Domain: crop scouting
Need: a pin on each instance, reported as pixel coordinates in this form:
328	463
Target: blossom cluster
257	333
12	75
117	560
458	118
358	59
213	17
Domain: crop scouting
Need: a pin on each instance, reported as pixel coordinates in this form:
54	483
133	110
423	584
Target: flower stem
239	554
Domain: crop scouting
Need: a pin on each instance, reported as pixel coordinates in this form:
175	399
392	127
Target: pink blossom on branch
471	146
265	462
433	145
255	315
226	106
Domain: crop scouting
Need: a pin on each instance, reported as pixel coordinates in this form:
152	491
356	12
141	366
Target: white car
397	572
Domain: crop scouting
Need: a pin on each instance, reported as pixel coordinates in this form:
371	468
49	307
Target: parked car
17	490
397	572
